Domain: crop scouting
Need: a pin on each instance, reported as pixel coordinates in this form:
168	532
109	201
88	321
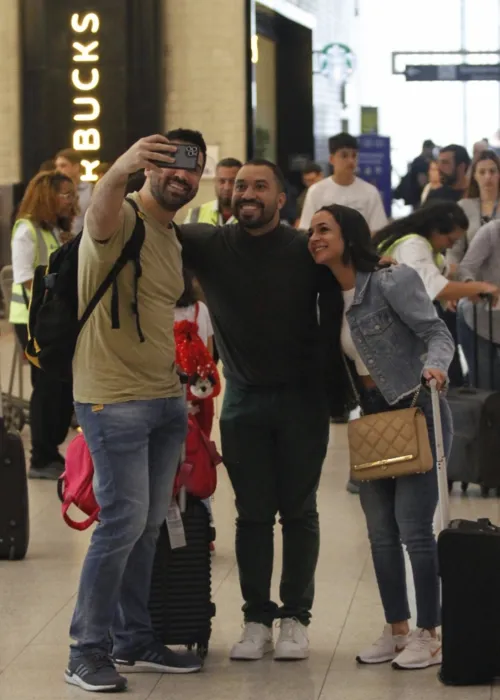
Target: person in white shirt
344	187
420	240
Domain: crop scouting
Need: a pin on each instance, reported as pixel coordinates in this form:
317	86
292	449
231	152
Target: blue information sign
374	165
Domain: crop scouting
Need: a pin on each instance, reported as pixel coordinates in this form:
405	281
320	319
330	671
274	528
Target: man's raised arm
103	214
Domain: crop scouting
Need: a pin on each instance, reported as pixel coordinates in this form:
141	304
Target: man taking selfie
130	405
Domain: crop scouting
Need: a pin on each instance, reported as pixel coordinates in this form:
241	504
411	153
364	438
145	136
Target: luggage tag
175	527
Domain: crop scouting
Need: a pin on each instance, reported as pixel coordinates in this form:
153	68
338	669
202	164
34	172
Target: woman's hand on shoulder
387	260
438	375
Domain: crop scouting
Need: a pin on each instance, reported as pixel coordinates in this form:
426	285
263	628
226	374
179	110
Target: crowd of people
342	309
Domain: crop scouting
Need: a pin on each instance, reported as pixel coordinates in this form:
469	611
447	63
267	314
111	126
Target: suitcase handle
442	477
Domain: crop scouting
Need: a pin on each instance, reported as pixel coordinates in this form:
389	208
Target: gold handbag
389	444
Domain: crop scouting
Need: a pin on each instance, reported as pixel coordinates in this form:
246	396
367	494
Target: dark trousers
274	442
51	410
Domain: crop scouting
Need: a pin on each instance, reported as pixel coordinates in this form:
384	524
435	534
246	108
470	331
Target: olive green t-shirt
112	366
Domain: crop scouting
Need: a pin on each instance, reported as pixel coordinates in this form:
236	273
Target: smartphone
186	158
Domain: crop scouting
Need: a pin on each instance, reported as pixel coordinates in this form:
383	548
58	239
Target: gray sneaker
52	472
95	672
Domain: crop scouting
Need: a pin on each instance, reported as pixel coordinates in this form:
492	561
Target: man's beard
170	201
449	180
265	217
224	203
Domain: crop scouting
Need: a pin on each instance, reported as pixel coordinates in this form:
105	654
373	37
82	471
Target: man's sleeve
23	254
308	211
108	251
194	239
417	254
377	218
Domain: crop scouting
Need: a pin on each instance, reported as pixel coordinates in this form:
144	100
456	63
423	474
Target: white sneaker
385	649
255	642
293	642
421	652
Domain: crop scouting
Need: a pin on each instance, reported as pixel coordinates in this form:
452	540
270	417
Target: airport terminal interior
37	596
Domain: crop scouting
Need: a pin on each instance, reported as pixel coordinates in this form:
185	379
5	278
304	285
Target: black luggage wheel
201	649
14	417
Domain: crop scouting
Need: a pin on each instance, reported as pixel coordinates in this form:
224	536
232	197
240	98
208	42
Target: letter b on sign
86	140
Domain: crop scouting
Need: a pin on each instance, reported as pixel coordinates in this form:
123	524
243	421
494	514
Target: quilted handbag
389	444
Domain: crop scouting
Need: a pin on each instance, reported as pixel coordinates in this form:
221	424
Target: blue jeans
401	511
484	349
135	447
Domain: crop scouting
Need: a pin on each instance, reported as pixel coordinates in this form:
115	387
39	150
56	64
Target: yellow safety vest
438	257
45	244
207	213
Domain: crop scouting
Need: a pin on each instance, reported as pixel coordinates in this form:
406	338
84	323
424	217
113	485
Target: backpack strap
131	252
196	312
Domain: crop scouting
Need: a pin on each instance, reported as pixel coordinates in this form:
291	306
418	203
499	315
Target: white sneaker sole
437	661
73	679
291	654
375	662
237	655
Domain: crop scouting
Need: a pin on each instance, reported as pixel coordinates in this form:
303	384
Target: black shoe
52	471
95	672
156	657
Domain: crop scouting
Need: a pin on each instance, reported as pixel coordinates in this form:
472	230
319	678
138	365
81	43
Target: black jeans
455	372
51	410
274	442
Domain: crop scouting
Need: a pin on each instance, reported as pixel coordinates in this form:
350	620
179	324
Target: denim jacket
395	329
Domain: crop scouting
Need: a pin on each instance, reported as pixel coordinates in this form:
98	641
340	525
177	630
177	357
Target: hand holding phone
186	158
145	153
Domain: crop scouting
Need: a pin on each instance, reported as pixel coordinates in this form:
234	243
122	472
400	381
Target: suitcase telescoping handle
443	514
182	498
489	299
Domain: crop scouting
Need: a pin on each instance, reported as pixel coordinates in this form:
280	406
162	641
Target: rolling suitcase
469	553
14	510
476	417
180	599
180	603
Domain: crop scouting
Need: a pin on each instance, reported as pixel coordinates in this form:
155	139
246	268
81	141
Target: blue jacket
395	329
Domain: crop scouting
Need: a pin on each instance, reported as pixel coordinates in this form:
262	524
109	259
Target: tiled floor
37	595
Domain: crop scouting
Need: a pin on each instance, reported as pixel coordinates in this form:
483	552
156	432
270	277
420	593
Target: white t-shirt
24	253
361	196
346	340
187	313
417	253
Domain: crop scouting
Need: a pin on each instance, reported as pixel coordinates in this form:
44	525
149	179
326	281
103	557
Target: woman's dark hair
473	191
443	217
188	297
358	247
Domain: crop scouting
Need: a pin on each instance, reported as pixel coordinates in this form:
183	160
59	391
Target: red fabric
76	484
198	472
194	359
205	414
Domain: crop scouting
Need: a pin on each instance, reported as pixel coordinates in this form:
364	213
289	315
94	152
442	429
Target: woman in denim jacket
385	323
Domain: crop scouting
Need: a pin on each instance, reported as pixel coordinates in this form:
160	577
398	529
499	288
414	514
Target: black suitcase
180	603
14	511
469	556
476	429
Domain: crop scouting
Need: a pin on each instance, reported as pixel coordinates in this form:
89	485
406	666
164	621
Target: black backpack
53	324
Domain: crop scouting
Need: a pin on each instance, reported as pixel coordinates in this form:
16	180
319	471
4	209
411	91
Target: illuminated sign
85	78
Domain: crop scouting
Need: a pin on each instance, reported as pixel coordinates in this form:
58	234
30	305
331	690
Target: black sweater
262	294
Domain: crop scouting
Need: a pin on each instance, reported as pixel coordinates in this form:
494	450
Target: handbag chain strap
356	392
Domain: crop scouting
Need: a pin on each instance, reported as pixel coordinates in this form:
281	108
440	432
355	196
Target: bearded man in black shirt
261	286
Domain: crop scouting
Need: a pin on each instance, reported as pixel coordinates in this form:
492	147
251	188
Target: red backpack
75	485
198	471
